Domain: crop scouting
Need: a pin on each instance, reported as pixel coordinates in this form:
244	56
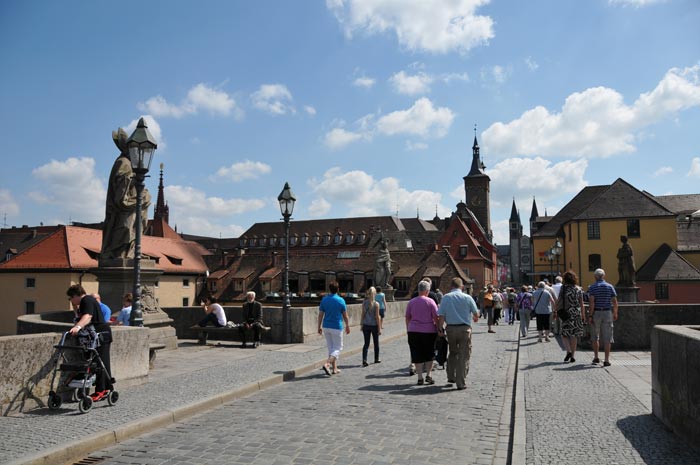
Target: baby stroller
83	364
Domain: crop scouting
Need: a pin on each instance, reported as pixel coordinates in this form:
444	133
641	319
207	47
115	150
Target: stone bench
232	333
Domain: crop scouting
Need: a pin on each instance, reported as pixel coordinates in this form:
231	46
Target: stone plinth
389	294
116	278
627	294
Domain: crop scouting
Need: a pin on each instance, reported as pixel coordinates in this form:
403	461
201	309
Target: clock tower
477	187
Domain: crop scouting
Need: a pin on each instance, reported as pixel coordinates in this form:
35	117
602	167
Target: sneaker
429	380
606	363
461	388
420	382
572	360
411	372
376	360
364	363
491	331
595	361
450	381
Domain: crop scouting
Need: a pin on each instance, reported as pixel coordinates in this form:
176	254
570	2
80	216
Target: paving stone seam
73	451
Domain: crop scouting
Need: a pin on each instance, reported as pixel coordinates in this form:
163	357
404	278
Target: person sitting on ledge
215	313
252	318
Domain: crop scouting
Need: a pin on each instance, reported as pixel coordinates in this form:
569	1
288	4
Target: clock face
525	259
475	199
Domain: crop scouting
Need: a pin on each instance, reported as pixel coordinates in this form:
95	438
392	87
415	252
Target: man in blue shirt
458	310
106	311
602	311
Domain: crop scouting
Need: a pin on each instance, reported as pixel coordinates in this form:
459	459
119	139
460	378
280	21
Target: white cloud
536	176
8	204
413	146
319	207
422	119
360	194
274	99
496	74
199	98
310	110
364	81
418	25
531	64
635	3
411	84
243	170
595	122
153	128
449	77
694	168
195	213
72	187
338	138
664	170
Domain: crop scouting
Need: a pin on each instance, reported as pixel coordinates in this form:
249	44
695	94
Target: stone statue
382	268
118	233
625	264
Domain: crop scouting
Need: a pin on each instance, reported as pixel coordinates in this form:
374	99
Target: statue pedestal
627	294
388	294
116	278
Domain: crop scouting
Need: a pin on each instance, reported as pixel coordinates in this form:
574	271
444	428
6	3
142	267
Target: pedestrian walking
332	318
371	325
421	326
524	303
543	310
569	310
488	307
458	310
512	307
433	296
602	303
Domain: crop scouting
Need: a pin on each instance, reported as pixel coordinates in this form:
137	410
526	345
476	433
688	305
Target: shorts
602	327
334	341
488	311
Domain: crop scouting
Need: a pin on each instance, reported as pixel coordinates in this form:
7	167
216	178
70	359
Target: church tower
162	210
477	188
533	217
515	228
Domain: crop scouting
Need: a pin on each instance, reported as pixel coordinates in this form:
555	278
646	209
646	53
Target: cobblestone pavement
373	415
586	414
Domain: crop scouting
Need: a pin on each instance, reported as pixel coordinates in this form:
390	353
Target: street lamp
549	255
286	200
141	146
556	251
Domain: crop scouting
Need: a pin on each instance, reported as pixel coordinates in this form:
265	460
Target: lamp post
549	255
556	251
286	200
141	146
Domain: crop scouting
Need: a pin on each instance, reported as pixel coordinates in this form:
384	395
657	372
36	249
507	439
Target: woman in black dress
571	299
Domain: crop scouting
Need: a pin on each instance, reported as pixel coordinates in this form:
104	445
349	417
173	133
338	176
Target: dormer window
253	242
283	241
338	238
242	242
305	239
263	241
349	238
273	241
326	238
362	237
294	240
316	239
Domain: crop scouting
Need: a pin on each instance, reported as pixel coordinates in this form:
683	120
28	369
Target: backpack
525	302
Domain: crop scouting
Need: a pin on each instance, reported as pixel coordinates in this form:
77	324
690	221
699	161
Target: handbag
563	312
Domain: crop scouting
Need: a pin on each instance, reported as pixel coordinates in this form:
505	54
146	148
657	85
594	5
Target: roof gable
665	264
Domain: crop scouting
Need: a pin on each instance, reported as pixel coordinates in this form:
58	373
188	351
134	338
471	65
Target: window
361	237
305	239
316	239
337	239
327	239
402	284
242	242
283	241
463	249
263	242
661	291
633	228
155	284
273	241
29	308
569	225
185	301
594	229
513	225
253	242
294	240
594	261
349	238
30	283
212	286
185	282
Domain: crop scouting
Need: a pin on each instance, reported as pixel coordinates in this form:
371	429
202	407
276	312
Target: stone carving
382	269
149	302
625	264
118	233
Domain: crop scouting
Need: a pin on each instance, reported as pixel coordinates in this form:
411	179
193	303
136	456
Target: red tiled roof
72	247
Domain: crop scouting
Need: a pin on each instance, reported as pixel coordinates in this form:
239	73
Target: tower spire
534	214
162	210
477	165
514	215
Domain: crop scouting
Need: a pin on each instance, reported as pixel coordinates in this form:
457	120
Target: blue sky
365	107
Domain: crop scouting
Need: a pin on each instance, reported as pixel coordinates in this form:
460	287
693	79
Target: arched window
305	239
316	239
326	238
293	240
338	238
349	238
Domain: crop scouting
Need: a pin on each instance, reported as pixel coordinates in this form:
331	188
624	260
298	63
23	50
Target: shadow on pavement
654	443
573	367
540	365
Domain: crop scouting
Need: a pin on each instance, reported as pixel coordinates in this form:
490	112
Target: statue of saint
625	264
118	232
382	269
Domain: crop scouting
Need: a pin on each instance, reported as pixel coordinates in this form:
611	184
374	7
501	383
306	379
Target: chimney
274	259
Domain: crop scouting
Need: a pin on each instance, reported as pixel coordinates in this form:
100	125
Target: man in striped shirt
602	311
